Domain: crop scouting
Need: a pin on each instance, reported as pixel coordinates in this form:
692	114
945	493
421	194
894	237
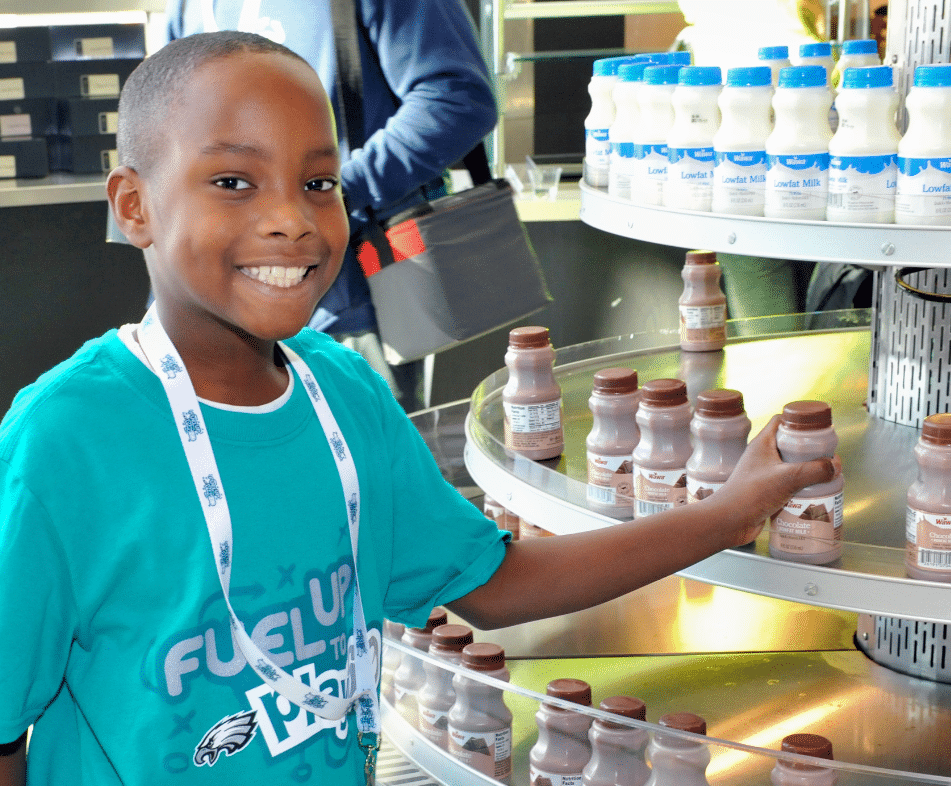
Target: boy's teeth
276	276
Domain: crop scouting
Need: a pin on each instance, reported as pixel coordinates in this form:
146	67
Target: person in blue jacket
428	101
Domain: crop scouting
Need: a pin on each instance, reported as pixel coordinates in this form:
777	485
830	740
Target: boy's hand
762	482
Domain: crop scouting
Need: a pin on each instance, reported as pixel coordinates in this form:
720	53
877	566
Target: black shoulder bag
448	270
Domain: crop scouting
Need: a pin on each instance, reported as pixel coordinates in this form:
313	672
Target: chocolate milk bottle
676	761
928	522
613	437
409	677
391	659
563	748
809	527
480	725
437	696
720	430
617	752
532	398
503	518
790	773
702	304
660	458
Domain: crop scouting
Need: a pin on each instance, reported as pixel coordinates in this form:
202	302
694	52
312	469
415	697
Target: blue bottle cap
755	76
773	53
870	76
864	46
663	58
661	74
802	76
653	58
608	66
631	72
823	49
699	76
938	75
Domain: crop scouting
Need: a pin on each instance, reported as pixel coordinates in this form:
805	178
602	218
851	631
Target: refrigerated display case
759	669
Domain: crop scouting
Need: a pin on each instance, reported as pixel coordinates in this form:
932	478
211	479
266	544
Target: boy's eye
321	184
232	183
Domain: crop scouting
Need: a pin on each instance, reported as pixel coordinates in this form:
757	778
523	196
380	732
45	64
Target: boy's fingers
808	473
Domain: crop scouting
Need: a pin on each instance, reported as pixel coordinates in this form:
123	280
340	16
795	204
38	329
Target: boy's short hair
149	93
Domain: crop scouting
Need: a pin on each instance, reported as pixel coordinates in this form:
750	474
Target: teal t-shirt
114	636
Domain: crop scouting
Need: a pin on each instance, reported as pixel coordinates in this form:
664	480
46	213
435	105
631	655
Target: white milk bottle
623	131
862	152
689	183
650	149
855	54
739	146
776	57
923	194
820	54
797	150
817	53
597	125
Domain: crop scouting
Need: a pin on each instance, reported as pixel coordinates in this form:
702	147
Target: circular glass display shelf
819	241
793	362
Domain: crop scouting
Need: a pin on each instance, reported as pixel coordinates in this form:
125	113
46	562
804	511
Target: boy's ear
126	197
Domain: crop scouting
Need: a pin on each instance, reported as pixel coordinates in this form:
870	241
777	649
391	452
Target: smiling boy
116	640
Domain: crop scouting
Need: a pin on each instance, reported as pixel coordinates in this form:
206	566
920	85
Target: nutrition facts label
533	418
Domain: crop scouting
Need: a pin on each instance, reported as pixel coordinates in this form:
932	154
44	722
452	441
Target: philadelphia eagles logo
230	735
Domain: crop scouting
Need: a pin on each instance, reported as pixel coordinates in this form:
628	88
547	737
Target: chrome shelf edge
828	587
818	241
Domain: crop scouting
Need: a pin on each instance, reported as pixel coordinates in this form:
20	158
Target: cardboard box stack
59	96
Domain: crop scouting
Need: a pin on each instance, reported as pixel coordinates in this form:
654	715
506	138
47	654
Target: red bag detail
405	240
368	258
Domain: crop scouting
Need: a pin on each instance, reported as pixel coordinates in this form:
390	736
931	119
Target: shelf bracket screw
811	589
731	238
888	249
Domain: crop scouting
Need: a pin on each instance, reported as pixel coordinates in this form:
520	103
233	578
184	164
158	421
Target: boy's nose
287	217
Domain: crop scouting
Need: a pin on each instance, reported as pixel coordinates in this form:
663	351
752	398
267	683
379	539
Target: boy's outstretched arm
13	763
546	577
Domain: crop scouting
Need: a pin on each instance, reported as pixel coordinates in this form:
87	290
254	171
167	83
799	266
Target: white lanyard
361	685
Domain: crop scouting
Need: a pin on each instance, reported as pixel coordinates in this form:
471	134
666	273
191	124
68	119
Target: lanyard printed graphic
361	672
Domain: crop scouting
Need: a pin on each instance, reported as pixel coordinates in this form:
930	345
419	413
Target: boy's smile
242	219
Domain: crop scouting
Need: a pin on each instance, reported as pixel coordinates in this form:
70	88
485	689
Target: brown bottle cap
450	638
701	258
437	617
577	691
937	429
664	392
807	415
628	706
483	657
806	745
684	721
393	630
615	381
528	337
720	403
